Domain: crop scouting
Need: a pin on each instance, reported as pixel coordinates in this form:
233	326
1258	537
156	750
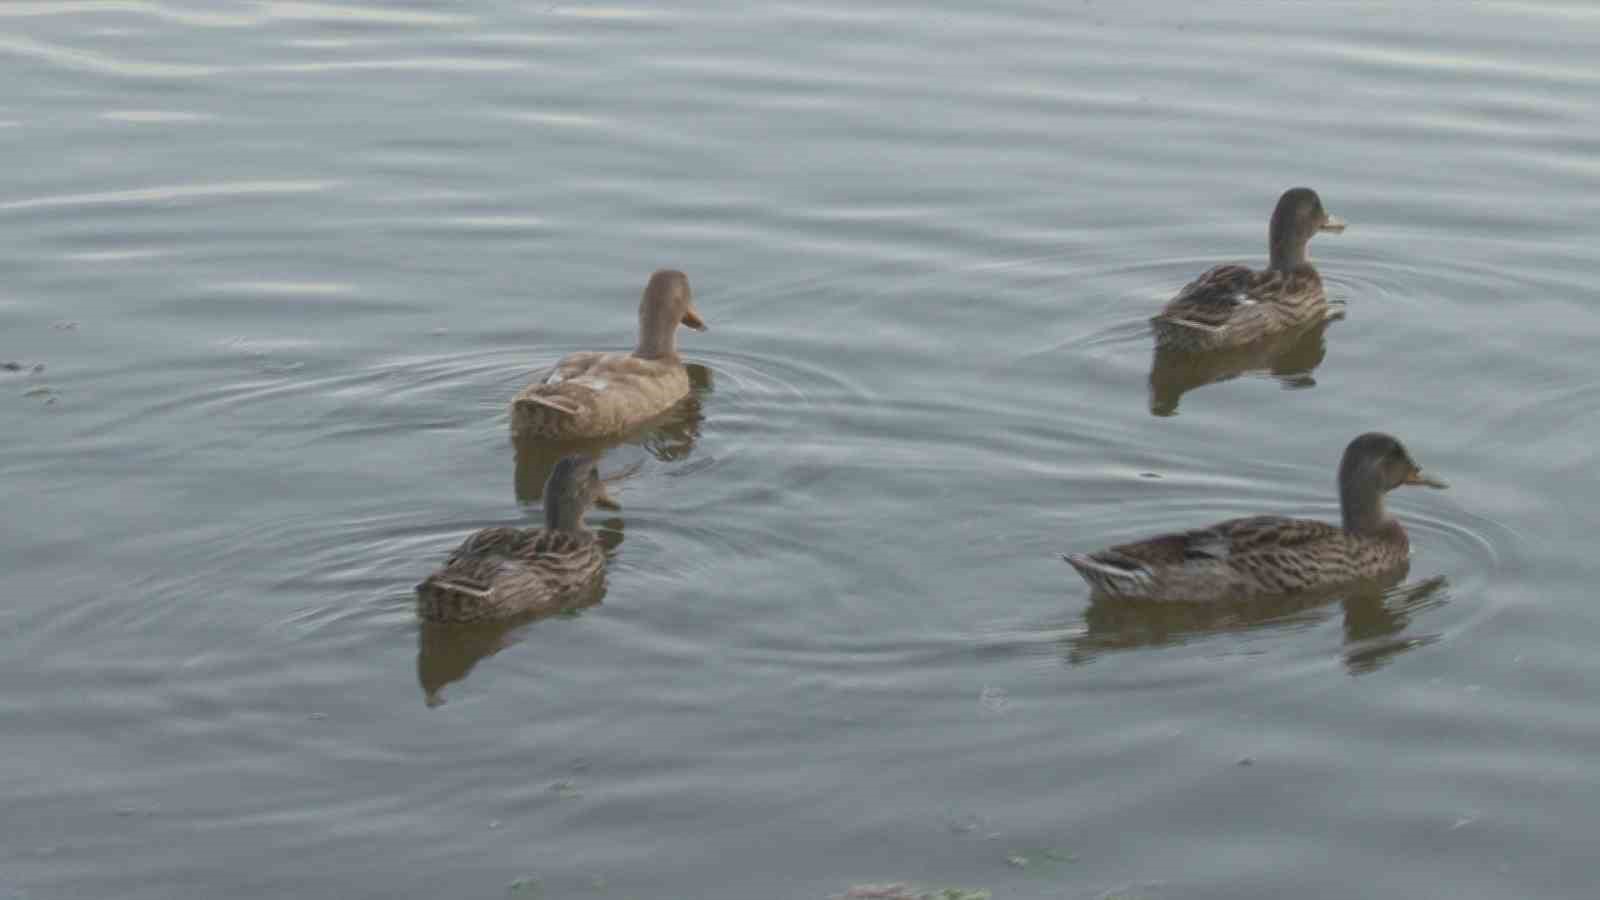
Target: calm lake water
284	263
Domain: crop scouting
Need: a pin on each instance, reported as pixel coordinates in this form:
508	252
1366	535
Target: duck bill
1333	225
1423	480
691	318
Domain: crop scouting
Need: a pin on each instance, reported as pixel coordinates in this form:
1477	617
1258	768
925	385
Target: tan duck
500	573
595	394
1231	305
1272	555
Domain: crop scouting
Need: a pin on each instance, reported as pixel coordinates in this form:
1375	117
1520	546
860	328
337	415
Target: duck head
1375	464
666	304
1296	220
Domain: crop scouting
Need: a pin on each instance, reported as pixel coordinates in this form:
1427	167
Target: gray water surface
284	263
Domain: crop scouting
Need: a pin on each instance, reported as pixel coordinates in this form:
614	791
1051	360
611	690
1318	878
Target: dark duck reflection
1233	305
1376	613
669	437
1290	358
499	580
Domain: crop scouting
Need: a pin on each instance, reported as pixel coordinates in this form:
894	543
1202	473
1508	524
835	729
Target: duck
601	394
1232	305
504	573
1257	556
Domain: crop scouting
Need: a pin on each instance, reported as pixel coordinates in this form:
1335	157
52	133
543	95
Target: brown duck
597	394
500	573
1272	555
1231	305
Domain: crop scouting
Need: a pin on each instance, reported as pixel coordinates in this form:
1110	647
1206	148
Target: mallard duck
1231	305
593	394
498	573
1272	555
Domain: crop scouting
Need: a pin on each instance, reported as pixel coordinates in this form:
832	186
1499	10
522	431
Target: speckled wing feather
1223	541
1233	305
1259	553
499	572
591	395
1217	295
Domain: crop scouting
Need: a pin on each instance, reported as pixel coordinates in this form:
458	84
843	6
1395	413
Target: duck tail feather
556	403
1111	577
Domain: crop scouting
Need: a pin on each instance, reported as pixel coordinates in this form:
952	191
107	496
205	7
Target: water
284	264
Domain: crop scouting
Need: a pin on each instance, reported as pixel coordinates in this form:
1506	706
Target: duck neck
1287	253
658	334
562	512
562	515
1361	504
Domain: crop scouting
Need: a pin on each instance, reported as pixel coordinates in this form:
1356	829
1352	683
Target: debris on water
966	824
1246	761
525	887
1149	475
1036	858
64	325
566	790
43	390
994	699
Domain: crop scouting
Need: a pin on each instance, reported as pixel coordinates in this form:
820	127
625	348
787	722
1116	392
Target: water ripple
170	194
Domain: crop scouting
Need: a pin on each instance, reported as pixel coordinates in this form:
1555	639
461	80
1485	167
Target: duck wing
577	365
1208	302
1137	568
495	552
568	384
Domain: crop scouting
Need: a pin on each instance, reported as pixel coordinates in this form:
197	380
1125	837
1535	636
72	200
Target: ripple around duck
439	419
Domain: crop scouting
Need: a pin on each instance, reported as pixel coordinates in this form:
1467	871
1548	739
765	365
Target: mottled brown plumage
1232	305
1270	555
595	394
498	573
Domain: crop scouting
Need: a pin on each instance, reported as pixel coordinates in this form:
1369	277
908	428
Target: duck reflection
1376	612
1290	358
669	437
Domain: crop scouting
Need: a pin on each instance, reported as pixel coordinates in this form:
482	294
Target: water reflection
447	652
1290	358
1376	612
1373	623
669	437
